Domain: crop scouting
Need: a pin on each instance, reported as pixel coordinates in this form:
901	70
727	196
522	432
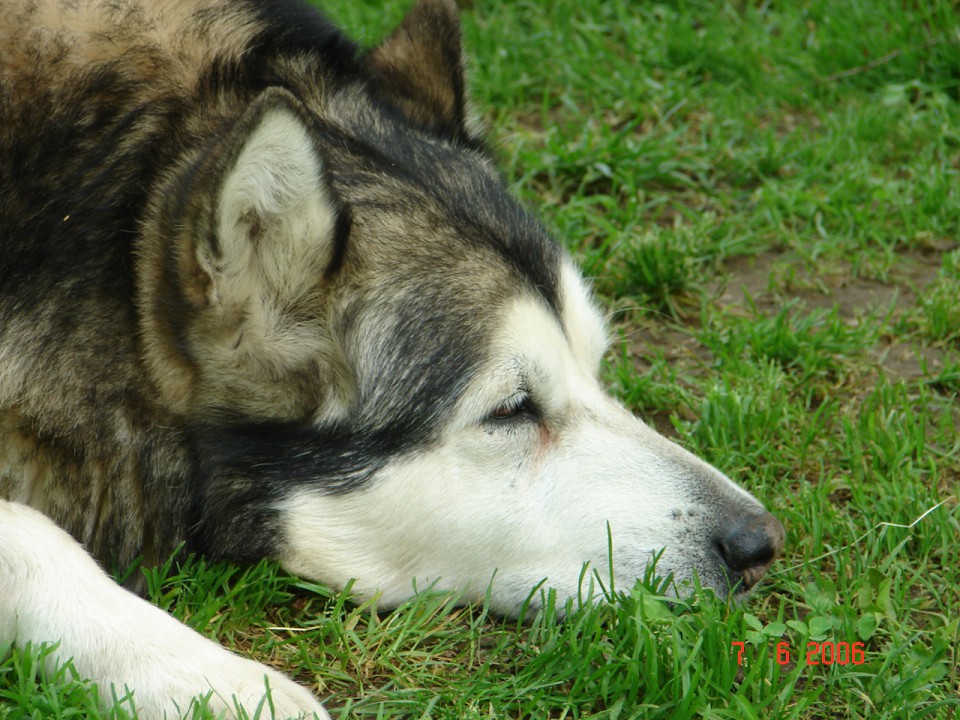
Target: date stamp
817	653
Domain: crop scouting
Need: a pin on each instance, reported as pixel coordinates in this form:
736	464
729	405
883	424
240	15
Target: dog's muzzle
749	545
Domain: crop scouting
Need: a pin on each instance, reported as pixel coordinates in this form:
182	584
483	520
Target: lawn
766	196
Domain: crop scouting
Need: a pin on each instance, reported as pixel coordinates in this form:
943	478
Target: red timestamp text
817	653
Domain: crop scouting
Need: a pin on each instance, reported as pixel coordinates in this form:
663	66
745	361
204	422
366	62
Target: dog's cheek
431	519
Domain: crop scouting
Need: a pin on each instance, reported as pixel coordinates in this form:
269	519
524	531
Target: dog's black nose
748	545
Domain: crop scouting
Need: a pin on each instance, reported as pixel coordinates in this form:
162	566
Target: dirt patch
648	340
768	280
765	282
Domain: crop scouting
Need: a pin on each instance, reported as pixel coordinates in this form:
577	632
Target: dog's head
394	371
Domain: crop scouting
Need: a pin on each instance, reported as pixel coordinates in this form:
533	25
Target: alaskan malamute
266	295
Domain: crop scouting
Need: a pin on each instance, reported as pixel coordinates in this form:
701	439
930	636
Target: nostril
748	544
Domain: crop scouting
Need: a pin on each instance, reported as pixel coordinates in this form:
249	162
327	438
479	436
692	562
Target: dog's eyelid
518	405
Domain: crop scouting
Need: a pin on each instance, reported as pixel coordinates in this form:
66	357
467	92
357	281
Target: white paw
168	678
52	591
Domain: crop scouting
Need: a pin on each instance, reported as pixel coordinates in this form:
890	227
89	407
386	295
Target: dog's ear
236	267
419	69
271	233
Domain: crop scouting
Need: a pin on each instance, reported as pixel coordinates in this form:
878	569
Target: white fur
527	501
52	591
583	323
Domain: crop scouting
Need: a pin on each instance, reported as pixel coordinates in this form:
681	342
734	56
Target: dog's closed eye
519	405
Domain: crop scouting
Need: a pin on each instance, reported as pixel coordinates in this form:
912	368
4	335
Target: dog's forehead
430	309
530	340
427	314
430	206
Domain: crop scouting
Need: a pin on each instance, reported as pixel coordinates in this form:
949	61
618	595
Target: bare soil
773	278
770	279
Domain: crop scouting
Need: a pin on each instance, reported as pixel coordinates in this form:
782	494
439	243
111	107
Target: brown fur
119	330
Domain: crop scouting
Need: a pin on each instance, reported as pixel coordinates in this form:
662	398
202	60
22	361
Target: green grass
767	197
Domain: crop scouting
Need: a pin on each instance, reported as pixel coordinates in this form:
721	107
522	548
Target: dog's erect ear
273	224
419	69
235	264
235	268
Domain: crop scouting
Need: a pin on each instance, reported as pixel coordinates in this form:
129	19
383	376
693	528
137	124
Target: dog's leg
51	590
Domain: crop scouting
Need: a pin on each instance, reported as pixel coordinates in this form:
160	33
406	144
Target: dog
264	294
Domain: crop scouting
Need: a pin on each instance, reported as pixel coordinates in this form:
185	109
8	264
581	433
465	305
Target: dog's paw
51	591
228	686
170	668
263	692
189	670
